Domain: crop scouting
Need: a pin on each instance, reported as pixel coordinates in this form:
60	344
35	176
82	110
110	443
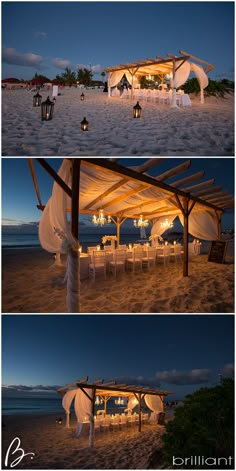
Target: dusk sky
19	198
46	37
180	353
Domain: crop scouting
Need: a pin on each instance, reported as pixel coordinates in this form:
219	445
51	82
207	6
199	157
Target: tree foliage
204	426
84	77
214	87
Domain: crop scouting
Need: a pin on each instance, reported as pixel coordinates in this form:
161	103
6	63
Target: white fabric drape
157	229
155	404
54	230
129	78
67	400
200	74
115	77
181	75
202	225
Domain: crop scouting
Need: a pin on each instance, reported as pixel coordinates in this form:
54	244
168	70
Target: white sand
200	130
56	447
32	285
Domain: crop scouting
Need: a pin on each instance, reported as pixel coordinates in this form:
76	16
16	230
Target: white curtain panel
155	404
132	402
54	228
115	77
202	225
200	74
67	400
182	74
129	78
83	408
157	229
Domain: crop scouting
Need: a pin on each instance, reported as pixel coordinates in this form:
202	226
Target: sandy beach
56	447
199	130
32	283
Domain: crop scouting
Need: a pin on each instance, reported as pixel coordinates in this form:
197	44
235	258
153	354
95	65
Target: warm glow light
101	219
166	224
141	222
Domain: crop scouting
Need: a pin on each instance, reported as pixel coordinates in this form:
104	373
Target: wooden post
91	433
118	230
173	101
139	413
67	419
73	274
185	267
218	215
202	96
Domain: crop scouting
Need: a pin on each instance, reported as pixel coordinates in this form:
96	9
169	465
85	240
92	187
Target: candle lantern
60	421
82	96
47	108
37	99
137	110
84	124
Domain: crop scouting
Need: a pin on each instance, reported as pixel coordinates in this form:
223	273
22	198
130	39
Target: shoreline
33	283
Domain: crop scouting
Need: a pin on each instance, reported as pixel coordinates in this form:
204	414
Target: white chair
118	261
176	253
134	261
97	267
91	249
106	422
163	253
149	258
115	422
123	419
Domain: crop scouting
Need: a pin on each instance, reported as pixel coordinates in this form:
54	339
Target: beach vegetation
84	77
203	426
214	87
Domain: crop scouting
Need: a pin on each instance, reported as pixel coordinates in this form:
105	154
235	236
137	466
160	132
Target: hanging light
97	401
47	108
37	99
82	96
119	401
137	110
100	219
84	124
166	224
141	222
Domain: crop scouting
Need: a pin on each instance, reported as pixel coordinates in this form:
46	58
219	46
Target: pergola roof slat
190	179
174	171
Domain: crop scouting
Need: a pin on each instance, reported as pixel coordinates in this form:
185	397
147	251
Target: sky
46	37
177	353
19	211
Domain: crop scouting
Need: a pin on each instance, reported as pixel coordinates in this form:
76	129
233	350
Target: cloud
11	56
11	222
96	69
138	381
40	34
196	376
21	387
61	63
228	370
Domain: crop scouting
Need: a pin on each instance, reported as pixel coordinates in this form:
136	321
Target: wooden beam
208	191
55	176
131	192
75	198
217	195
199	186
117	169
33	175
107	192
190	179
150	163
174	171
210	66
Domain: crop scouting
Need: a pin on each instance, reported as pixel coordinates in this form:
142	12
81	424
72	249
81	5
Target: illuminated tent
176	68
84	186
84	394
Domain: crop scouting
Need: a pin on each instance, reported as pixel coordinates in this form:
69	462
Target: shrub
204	426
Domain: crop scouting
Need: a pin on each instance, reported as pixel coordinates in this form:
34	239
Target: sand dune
200	130
33	284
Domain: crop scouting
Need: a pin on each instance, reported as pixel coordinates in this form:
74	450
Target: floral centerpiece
155	238
110	238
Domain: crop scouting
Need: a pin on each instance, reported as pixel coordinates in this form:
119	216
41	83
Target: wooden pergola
131	192
109	389
159	66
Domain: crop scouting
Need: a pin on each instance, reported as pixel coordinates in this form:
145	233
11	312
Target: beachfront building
176	68
95	185
86	395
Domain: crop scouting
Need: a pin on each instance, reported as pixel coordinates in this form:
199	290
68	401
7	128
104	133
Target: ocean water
24	405
39	405
31	240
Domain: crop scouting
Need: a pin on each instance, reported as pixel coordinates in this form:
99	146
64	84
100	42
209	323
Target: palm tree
103	74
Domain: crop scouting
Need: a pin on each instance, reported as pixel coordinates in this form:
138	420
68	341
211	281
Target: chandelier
100	219
119	401
166	224
98	401
141	222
